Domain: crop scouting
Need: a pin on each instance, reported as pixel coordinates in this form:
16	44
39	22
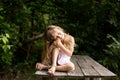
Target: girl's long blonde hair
68	42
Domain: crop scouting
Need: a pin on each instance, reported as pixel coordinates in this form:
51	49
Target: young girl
59	49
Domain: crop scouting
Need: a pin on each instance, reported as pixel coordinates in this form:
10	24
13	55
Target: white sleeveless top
63	58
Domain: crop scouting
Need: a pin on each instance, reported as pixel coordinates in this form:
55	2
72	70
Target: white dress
63	58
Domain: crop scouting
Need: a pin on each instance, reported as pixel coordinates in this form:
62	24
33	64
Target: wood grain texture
85	67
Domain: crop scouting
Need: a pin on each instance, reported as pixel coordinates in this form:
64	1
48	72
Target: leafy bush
88	21
112	54
6	54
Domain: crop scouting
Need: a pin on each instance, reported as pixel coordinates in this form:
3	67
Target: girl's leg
67	67
54	61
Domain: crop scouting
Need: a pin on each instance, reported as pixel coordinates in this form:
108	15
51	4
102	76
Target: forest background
95	24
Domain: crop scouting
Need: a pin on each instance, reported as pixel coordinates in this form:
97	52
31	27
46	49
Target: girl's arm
67	51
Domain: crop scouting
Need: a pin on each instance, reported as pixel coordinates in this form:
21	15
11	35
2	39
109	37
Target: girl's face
58	34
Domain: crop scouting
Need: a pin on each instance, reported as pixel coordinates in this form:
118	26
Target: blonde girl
59	49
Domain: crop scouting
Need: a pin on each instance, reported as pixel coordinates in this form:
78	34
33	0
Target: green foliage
5	49
113	54
88	21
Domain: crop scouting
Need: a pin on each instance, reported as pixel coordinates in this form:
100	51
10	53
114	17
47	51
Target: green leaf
1	17
4	47
7	35
5	40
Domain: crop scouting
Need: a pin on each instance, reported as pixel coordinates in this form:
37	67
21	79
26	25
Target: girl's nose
59	36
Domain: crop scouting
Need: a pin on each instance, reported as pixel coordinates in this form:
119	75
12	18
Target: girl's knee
71	67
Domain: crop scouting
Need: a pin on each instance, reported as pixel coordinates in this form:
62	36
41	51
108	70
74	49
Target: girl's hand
58	43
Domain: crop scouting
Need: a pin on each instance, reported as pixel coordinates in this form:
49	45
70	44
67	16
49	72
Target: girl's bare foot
39	66
51	71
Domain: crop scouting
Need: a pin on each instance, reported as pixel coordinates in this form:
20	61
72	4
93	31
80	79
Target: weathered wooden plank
86	67
77	72
60	74
44	73
41	73
92	78
104	72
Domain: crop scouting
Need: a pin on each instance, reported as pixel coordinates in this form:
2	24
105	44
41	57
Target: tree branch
33	38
